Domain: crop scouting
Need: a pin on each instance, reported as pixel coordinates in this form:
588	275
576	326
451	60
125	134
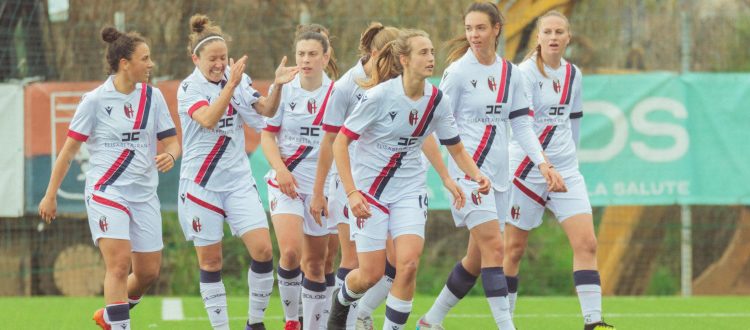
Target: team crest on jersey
360	223
476	197
312	106
292	105
474	83
515	212
413	117
128	110
491	83
197	224
103	225
392	114
108	109
556	86
274	202
346	212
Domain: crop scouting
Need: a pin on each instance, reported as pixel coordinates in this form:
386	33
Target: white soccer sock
588	286
458	284
351	318
378	293
512	302
501	312
215	301
313	303
289	292
442	305
260	284
396	313
330	286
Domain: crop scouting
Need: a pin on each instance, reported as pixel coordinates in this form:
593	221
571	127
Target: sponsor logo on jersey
312	107
491	83
363	99
476	197
197	224
515	212
108	109
346	212
392	114
317	317
474	83
274	202
287	302
359	96
88	200
217	311
103	225
128	110
182	197
184	87
556	86
413	117
360	223
292	105
540	85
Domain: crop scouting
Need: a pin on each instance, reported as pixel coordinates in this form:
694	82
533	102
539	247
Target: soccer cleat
339	313
364	323
599	326
99	319
292	325
423	325
255	326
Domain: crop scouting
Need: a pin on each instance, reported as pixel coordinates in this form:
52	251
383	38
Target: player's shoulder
528	66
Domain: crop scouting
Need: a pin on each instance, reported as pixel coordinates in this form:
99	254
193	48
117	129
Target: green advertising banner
646	139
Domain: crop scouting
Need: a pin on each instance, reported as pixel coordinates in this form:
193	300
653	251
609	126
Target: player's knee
263	253
119	270
290	255
314	268
514	251
148	277
211	264
585	247
407	268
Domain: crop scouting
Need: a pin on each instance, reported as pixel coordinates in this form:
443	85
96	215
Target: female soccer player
216	183
553	86
391	122
345	96
121	121
290	142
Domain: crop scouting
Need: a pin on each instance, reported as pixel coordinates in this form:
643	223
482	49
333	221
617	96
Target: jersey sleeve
576	111
450	84
527	81
340	100
84	119
365	113
244	99
445	128
273	124
520	106
164	124
190	98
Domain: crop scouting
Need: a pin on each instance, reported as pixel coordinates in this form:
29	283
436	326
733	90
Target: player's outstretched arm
357	203
285	179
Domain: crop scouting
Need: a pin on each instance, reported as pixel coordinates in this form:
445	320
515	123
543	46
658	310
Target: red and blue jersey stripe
115	170
144	107
209	164
386	174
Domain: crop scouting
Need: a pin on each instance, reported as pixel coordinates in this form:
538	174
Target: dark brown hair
201	28
458	46
119	45
332	69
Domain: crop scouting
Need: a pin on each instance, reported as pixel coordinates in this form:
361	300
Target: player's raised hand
285	74
236	68
287	183
48	208
358	205
319	208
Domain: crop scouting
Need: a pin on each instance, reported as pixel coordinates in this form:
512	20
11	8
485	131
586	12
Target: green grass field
472	313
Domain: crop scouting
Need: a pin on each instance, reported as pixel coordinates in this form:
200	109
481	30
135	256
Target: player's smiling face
212	60
421	60
310	57
480	33
139	66
554	35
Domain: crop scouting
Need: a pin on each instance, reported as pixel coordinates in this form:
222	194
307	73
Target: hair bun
110	34
199	22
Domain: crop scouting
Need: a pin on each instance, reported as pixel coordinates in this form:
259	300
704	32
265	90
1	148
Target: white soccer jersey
346	94
555	100
391	128
120	132
484	99
298	124
215	157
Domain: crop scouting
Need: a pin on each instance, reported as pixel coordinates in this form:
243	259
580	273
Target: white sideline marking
525	316
171	309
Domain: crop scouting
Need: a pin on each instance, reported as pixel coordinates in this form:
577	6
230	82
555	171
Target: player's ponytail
332	69
202	33
537	51
458	46
374	38
388	64
119	45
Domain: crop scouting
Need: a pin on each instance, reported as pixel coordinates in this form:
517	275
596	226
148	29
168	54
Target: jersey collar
109	84
472	59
